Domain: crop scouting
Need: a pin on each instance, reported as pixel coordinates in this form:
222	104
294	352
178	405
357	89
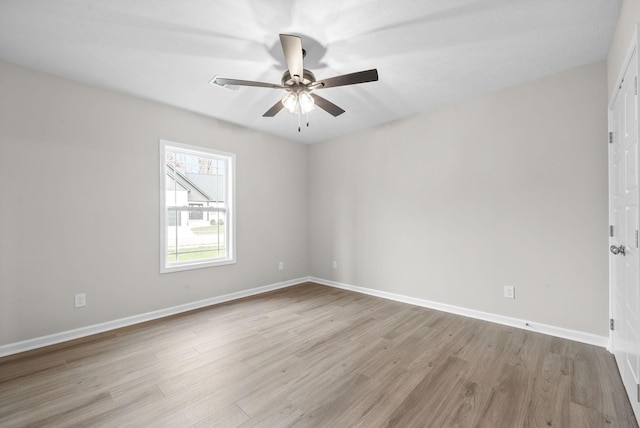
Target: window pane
198	236
196	210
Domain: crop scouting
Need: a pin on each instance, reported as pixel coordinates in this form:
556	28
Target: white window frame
230	219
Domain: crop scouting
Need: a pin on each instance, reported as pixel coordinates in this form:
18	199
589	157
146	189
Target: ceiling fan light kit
301	83
298	101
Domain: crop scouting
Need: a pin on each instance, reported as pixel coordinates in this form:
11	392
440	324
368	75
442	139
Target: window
196	207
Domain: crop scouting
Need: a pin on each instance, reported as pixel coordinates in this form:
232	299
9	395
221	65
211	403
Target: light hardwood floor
311	356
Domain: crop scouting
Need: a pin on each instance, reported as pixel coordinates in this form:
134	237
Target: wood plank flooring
314	356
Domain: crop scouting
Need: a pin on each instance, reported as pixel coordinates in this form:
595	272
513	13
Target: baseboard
53	339
578	336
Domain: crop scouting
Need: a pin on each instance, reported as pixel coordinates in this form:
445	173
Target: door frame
634	45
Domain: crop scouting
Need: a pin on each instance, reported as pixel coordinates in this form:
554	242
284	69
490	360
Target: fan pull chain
307	119
298	120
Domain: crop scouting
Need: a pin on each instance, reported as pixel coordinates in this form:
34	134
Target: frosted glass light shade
290	101
306	102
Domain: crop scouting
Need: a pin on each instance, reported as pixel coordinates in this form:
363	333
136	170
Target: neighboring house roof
211	184
196	192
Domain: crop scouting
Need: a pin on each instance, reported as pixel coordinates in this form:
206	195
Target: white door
625	257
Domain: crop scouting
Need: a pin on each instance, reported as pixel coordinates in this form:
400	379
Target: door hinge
636	238
610	137
638	388
611	324
611	231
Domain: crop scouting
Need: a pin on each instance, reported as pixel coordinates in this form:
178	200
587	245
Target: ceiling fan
300	83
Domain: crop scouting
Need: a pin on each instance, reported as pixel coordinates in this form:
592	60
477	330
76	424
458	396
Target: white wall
99	150
450	206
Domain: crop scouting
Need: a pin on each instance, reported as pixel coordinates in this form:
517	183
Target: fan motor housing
307	78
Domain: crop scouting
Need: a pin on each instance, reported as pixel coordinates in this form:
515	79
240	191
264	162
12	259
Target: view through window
197	207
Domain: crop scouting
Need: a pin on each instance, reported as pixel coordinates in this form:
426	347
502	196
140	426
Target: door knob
617	250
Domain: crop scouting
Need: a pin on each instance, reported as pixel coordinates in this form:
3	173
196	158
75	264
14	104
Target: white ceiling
429	53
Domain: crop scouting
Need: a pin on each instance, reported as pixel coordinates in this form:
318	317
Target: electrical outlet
509	292
281	266
334	265
80	300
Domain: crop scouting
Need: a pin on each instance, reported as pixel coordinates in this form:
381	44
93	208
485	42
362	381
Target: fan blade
327	105
274	110
347	79
221	81
292	48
